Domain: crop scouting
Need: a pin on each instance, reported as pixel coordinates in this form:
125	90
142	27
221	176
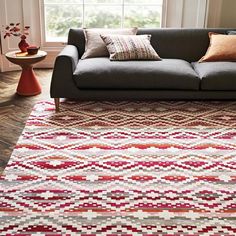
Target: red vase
23	45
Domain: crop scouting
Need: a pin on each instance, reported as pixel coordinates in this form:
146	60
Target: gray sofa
177	76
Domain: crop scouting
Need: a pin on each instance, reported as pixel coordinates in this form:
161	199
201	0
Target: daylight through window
60	15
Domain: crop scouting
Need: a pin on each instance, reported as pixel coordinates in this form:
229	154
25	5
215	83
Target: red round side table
28	84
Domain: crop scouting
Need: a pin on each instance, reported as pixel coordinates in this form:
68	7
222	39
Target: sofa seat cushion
101	73
216	75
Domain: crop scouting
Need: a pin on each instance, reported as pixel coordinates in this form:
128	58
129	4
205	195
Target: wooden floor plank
15	109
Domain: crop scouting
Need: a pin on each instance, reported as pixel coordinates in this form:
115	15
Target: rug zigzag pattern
123	168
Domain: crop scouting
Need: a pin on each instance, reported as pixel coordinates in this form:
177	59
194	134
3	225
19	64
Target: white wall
9	14
222	13
228	14
214	13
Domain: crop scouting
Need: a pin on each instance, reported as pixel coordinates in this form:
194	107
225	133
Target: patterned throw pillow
95	47
130	47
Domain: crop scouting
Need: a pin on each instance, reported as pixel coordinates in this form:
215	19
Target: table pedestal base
28	84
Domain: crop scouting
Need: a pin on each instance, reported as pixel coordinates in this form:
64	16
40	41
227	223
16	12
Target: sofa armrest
70	52
62	83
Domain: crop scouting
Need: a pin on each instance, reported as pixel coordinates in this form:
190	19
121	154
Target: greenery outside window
60	15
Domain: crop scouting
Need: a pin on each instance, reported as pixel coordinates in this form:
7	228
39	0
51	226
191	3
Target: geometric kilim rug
123	168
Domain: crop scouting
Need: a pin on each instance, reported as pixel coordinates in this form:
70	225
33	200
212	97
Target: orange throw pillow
222	48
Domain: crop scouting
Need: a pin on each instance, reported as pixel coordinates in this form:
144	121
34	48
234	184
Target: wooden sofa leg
57	104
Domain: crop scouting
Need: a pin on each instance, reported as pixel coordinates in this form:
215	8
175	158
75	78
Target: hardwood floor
15	109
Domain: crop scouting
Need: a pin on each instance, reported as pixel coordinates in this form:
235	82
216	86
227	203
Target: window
60	15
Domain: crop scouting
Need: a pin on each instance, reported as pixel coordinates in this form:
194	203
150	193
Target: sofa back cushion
186	44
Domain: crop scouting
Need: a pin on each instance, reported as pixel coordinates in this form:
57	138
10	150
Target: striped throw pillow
130	47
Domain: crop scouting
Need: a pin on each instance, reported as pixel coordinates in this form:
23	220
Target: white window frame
29	12
61	44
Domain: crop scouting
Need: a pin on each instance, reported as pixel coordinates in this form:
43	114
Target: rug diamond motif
123	168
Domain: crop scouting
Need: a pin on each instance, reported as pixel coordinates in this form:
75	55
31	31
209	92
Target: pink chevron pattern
123	168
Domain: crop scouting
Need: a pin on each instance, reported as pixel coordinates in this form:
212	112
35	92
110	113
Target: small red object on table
32	50
28	84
